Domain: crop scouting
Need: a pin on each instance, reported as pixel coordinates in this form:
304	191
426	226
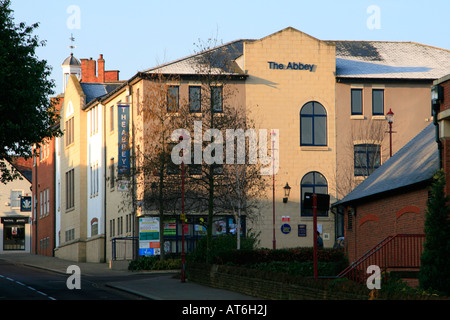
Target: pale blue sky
134	35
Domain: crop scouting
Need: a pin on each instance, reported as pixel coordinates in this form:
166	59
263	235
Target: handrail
399	251
364	256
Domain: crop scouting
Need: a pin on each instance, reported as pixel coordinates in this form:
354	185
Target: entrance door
14	237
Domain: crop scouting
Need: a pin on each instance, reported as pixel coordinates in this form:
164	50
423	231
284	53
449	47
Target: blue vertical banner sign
123	112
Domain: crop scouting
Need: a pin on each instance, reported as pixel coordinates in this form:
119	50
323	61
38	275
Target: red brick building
393	199
43	188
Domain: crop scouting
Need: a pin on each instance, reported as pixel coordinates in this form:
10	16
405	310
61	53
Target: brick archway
409	219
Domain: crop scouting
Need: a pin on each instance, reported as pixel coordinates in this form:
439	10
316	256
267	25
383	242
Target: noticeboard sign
149	244
302	230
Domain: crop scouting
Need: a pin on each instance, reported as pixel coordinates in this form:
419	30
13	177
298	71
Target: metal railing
124	248
402	251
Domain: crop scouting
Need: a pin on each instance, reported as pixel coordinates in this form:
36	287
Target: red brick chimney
101	69
88	70
90	73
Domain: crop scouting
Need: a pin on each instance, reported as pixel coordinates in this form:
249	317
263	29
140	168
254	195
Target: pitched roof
416	162
393	60
97	90
191	64
354	59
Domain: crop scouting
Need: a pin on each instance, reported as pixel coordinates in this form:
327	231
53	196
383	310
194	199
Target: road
18	282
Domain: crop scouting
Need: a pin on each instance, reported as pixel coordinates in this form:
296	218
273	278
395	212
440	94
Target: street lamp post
273	187
315	234
287	191
390	120
183	218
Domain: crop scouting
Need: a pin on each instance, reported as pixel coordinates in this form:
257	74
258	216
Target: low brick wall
269	286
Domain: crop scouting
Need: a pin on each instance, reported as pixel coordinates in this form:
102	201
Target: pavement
167	286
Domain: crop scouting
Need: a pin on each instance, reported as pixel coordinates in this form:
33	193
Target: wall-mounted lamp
287	191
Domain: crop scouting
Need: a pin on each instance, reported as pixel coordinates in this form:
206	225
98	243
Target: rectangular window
42	204
69	131
70	189
70	235
120	225
306	126
15	198
112	177
172	99
195	169
357	104
367	158
378	102
48	201
111	118
97	178
195	97
217	99
171	167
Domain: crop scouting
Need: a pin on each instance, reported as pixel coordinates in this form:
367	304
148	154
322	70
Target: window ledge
313	148
380	117
358	117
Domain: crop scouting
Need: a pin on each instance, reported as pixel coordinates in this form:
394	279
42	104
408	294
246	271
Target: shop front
15	236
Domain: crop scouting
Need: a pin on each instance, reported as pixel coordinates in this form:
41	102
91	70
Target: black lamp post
390	120
287	191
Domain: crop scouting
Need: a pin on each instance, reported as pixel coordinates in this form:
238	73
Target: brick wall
276	286
91	74
445	103
43	238
269	286
389	215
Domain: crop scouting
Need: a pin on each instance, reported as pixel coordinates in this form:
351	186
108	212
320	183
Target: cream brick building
288	81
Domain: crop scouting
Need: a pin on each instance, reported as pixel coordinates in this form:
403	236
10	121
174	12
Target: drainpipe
105	164
436	124
35	207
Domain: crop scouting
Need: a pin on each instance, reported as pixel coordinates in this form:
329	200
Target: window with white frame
15	198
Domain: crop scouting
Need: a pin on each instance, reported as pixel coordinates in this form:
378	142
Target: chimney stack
101	69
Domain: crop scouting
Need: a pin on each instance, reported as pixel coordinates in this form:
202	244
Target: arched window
313	125
313	182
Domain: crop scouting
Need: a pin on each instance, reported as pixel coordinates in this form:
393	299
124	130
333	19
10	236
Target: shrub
435	272
222	246
154	263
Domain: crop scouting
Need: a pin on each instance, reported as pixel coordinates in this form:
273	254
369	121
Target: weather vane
72	39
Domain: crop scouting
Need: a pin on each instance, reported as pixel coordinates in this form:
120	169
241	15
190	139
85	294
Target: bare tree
362	154
158	178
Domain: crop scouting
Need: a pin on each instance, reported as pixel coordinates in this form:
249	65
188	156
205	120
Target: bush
154	263
296	268
222	246
293	261
245	257
435	272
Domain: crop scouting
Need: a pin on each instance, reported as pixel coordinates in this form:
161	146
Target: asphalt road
18	282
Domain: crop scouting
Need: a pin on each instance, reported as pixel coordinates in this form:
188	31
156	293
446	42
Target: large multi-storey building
327	99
